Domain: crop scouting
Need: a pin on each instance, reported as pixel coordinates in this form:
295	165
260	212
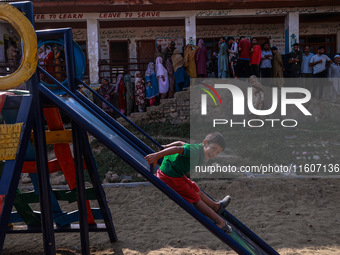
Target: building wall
273	31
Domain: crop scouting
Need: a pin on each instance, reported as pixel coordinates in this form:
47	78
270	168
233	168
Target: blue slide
124	144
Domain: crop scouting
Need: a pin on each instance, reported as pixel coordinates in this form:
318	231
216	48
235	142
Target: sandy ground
294	216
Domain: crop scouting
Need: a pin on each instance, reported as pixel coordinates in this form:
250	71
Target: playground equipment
26	112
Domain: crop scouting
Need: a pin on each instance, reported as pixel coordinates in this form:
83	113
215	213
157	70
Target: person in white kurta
162	77
334	78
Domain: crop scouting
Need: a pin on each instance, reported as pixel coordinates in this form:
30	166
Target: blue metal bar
245	230
144	171
98	188
77	148
42	170
118	112
52	33
69	59
12	169
134	142
262	244
116	124
26	7
78	158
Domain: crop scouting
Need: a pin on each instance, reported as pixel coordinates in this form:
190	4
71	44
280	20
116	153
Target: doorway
145	52
119	58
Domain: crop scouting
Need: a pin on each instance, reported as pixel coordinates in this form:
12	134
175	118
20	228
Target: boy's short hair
296	44
217	138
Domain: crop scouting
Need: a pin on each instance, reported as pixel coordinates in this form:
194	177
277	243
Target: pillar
190	30
338	41
291	30
93	49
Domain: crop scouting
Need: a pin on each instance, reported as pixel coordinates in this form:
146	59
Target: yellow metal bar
58	136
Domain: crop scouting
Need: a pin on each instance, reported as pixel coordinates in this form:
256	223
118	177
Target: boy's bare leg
207	211
212	204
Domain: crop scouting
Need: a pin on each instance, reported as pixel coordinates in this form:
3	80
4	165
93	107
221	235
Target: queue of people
171	71
168	74
50	57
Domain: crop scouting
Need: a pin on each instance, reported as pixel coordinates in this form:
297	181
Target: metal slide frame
71	109
78	110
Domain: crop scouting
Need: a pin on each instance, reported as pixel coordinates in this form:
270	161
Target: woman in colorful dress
139	92
106	90
151	84
121	91
182	79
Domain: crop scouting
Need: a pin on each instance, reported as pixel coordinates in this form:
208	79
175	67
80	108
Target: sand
294	216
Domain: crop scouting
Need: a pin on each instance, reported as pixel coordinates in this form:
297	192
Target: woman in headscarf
162	77
171	76
120	89
190	60
201	59
258	94
139	92
223	70
130	92
182	79
106	90
151	84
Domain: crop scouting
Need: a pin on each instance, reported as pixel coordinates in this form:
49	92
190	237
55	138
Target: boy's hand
152	159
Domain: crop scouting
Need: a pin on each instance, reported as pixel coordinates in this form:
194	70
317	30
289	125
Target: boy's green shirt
177	165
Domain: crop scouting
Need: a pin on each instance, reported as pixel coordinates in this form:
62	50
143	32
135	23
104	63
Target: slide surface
242	240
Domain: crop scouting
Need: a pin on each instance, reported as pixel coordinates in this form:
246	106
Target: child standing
175	166
139	91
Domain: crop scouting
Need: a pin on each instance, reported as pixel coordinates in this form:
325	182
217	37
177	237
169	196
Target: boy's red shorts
185	187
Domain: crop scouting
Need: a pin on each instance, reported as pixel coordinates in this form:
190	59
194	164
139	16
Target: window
314	41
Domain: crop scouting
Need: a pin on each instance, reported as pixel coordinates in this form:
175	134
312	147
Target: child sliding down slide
176	164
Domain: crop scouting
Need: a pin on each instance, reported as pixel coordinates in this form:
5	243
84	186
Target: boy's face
211	150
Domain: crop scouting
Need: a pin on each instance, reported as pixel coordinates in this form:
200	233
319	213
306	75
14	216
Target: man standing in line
278	68
295	59
318	62
244	47
233	54
255	58
266	62
306	70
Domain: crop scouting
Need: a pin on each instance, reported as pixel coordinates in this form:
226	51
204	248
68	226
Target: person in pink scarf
162	77
201	59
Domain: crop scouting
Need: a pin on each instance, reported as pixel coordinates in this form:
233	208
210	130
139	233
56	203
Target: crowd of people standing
171	71
50	57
